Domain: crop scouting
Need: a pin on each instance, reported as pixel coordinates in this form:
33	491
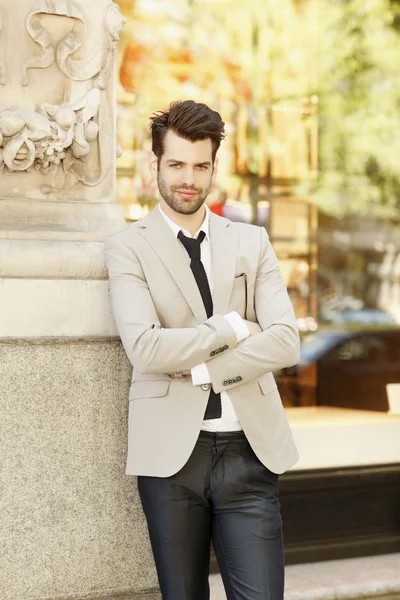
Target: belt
221	436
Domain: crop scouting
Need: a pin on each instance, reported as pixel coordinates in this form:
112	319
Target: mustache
189	188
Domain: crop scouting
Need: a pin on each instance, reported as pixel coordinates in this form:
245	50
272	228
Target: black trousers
223	493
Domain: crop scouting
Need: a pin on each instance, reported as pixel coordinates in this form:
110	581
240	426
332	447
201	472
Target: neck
191	223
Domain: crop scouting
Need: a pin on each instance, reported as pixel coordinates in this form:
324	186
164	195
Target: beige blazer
164	328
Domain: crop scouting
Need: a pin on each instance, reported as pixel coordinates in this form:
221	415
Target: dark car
346	368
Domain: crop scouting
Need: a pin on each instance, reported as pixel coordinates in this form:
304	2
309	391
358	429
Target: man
204	318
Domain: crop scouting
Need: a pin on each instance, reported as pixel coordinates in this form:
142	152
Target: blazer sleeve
149	347
277	345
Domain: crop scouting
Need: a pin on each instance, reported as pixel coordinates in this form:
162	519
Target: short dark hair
190	120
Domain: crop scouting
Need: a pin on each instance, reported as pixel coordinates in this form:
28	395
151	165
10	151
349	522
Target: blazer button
230	381
205	387
239	378
212	353
226	382
225	347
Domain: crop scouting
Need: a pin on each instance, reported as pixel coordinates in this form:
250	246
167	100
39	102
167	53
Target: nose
188	177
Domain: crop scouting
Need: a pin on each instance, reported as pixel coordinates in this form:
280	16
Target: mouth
187	193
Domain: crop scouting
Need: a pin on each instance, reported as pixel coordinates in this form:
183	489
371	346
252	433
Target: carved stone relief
62	141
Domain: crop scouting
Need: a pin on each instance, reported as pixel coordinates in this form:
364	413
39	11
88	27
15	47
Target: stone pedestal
71	526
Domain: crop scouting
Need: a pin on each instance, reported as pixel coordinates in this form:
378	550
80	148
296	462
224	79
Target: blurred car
364	316
344	367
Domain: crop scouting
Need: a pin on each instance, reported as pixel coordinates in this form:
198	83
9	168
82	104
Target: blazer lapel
168	248
224	253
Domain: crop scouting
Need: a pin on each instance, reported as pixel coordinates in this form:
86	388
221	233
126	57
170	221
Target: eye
202	167
175	166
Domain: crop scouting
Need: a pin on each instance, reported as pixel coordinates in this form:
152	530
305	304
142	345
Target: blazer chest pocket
149	389
238	300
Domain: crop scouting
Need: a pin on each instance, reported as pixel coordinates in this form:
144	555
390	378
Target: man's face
184	173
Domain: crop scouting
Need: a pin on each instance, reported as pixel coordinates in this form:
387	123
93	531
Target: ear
153	164
215	170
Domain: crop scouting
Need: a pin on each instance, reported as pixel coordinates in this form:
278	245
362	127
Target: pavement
369	578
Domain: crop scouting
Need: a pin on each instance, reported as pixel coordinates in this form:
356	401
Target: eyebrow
180	162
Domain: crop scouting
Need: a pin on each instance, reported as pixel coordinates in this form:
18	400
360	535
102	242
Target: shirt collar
176	228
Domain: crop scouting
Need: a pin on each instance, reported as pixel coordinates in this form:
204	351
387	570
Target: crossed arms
153	349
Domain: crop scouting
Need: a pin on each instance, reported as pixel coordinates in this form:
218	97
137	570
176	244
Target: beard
178	204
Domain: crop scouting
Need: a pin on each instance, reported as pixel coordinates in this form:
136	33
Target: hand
184	374
254	328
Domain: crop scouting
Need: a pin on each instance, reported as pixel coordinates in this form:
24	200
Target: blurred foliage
359	116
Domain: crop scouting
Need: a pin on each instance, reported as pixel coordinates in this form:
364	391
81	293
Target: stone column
71	526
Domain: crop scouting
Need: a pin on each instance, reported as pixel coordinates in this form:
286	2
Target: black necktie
213	410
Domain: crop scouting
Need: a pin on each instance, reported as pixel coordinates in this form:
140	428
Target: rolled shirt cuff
200	374
238	324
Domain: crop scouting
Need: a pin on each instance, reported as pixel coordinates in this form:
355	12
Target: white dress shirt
228	420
